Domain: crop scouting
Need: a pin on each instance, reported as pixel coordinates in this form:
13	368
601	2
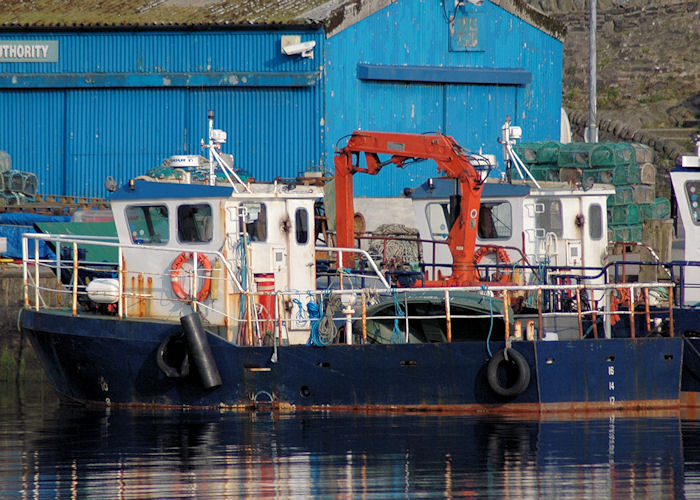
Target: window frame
146	212
204	228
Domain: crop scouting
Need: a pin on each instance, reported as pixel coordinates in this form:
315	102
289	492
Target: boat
214	301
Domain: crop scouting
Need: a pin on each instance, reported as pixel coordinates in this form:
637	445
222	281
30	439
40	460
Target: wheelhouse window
548	215
436	214
495	220
595	222
194	223
301	219
255	221
148	224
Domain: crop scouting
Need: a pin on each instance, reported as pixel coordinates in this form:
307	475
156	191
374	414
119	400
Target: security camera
303	48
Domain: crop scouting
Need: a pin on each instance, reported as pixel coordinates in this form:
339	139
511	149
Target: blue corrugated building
90	89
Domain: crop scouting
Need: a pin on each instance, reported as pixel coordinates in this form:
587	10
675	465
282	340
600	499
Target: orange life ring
175	275
501	256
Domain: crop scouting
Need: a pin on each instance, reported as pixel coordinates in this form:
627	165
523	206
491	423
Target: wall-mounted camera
292	45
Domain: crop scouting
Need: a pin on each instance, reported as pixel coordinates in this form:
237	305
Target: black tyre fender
173	357
523	373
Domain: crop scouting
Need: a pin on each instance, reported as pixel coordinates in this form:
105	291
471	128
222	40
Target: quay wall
17	358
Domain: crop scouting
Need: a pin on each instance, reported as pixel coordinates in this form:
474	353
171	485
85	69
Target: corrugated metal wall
417	33
120	103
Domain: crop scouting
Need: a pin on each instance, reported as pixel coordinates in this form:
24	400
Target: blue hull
105	360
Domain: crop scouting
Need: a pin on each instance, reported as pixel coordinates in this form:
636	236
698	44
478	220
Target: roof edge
30	28
534	16
338	15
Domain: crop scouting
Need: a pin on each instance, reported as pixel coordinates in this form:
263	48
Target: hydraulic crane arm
403	148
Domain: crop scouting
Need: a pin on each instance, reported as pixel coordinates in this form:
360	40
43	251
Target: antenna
510	135
216	139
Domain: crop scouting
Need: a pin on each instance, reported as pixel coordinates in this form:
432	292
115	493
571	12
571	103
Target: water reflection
69	452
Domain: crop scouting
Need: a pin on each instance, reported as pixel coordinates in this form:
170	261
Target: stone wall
647	59
17	357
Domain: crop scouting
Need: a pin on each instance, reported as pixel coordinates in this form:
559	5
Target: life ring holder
508	355
175	275
501	257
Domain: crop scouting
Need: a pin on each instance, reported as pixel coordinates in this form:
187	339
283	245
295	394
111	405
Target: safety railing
268	317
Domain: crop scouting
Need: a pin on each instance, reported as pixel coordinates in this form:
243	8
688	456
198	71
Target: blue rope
398	312
244	273
300	310
314	317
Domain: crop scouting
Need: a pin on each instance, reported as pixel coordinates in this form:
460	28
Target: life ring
501	257
173	357
175	275
515	359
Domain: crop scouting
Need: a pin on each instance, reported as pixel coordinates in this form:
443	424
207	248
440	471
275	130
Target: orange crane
451	160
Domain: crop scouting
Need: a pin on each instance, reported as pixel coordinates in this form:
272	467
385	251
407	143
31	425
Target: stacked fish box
635	201
16	187
626	166
540	158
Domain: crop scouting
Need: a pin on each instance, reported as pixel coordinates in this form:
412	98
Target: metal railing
351	304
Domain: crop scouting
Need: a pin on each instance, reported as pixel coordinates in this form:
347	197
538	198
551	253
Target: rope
327	330
323	330
488	337
397	251
398	312
301	319
240	250
314	314
531	300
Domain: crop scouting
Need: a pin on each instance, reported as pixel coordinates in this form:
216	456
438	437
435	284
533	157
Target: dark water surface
53	451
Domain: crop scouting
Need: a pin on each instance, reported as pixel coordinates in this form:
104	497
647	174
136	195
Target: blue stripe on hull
99	358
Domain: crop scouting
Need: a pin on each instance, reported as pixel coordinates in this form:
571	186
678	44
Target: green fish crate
543	172
625	214
612	154
527	151
626	233
633	194
634	174
575	155
660	209
548	152
600	174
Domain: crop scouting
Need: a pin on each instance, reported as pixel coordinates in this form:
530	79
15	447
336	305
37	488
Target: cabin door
300	262
301	259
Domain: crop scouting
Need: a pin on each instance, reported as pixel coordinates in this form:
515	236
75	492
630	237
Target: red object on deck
403	148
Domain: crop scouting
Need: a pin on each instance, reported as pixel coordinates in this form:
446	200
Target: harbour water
49	450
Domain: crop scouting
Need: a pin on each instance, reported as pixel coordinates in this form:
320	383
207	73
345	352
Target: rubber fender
522	369
173	357
200	350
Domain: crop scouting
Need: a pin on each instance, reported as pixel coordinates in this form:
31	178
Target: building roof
130	14
334	15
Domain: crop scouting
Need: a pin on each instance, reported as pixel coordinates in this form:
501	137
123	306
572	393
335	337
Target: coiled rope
323	330
314	314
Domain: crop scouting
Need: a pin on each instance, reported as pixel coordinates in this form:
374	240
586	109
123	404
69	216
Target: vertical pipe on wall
592	129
